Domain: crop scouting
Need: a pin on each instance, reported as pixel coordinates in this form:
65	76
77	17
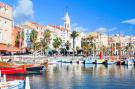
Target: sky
109	16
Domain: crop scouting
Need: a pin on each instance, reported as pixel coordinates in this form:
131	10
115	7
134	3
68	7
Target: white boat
15	84
129	62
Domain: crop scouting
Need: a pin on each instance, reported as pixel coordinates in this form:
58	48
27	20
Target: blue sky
114	16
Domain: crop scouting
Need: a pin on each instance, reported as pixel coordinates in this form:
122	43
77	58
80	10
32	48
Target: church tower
67	22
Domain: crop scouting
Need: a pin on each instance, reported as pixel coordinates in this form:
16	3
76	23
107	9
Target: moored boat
12	71
99	61
129	62
109	62
67	61
34	69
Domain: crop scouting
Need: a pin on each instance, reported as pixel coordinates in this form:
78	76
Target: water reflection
74	76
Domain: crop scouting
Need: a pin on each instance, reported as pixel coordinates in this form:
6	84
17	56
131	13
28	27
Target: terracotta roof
36	24
57	27
4	5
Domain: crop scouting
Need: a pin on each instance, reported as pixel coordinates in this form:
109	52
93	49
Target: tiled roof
4	5
36	24
57	27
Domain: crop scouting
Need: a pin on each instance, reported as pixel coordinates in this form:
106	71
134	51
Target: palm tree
74	34
33	38
57	42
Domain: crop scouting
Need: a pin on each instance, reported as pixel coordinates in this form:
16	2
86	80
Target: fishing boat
129	62
15	84
101	60
120	62
35	69
12	71
66	61
109	62
88	61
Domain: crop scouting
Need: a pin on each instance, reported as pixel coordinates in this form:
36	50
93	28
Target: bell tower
67	22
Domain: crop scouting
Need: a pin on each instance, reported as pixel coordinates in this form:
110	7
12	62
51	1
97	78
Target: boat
12	71
129	62
15	84
35	69
90	61
120	62
66	61
109	62
99	61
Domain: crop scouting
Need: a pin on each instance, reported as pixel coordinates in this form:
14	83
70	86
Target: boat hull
12	71
101	61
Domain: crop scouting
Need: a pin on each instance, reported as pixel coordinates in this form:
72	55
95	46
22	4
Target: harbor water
79	76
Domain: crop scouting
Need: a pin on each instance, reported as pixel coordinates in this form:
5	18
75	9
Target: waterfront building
16	30
5	26
5	23
38	27
27	32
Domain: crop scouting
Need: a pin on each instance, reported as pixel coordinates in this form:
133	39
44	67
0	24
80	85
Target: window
1	23
2	9
6	10
0	36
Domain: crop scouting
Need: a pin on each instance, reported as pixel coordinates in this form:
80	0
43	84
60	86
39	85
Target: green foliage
33	38
74	34
20	36
57	42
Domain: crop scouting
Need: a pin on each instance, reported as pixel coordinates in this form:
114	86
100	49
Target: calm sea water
77	76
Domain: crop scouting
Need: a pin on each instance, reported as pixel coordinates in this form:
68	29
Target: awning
4	47
13	49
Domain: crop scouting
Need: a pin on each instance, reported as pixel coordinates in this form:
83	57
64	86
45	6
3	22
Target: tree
86	47
92	44
57	42
19	39
46	39
33	38
67	44
74	34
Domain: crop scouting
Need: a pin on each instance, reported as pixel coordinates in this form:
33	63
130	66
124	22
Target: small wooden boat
129	62
120	62
109	62
34	69
88	61
66	61
12	71
16	84
99	61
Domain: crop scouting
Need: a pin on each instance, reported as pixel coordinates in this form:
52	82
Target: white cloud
129	21
78	28
23	11
104	30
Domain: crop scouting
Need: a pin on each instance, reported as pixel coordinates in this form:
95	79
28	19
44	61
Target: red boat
12	70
